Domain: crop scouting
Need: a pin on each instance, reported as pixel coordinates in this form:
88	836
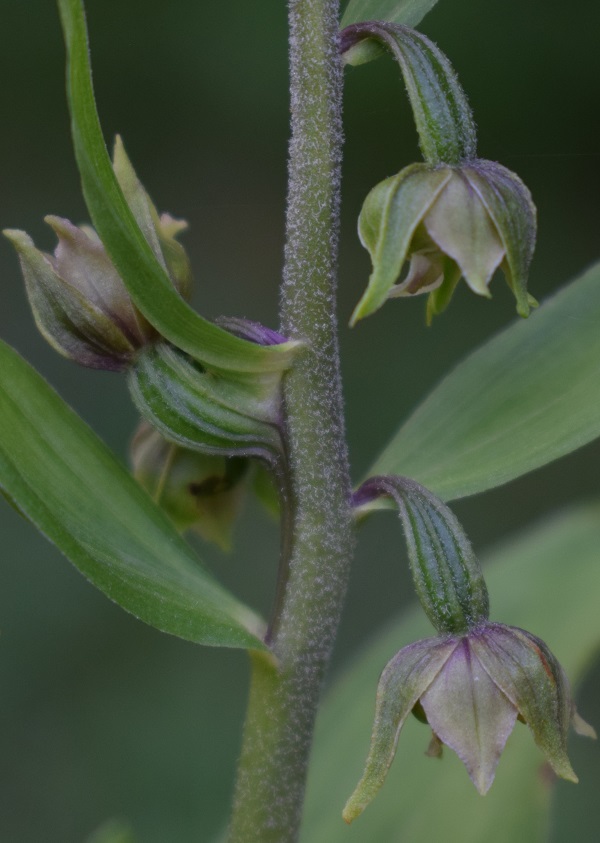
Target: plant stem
285	691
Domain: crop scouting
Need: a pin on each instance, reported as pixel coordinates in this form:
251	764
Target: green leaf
113	831
525	398
64	480
408	12
427	799
146	280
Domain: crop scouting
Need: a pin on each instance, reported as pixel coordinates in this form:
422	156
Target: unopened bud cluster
193	455
79	301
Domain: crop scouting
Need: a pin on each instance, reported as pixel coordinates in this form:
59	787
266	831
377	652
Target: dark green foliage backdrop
99	715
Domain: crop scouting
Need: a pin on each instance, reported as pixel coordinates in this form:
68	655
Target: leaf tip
352	810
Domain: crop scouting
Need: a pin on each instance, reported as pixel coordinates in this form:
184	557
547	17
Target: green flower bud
197	491
447	223
471	689
204	412
446	573
79	302
440	108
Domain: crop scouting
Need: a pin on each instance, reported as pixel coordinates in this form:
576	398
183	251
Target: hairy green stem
285	691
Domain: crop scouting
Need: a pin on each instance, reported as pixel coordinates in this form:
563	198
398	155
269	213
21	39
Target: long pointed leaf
64	480
408	12
147	282
525	398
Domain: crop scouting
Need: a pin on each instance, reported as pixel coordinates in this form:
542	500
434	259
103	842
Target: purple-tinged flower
475	678
471	689
79	302
447	222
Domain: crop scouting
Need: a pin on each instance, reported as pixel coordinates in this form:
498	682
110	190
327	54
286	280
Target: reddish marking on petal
544	662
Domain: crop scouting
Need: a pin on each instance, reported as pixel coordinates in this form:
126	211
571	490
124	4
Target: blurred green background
101	716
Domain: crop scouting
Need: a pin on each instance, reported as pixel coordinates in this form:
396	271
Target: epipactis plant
475	678
229	400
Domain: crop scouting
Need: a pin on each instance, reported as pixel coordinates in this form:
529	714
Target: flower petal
461	226
530	676
73	326
82	261
403	681
470	714
178	263
390	216
197	491
581	727
426	273
509	204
